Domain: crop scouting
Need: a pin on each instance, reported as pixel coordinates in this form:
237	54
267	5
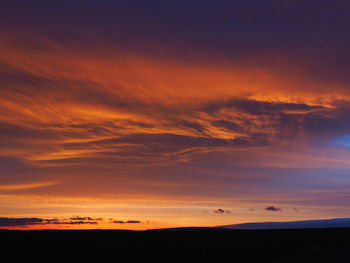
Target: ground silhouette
177	245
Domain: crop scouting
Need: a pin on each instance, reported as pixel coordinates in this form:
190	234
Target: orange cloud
25	186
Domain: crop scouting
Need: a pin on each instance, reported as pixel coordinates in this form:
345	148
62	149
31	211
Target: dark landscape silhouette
190	244
186	244
320	223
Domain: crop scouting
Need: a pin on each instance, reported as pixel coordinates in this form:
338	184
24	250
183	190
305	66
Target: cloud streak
273	209
14	187
9	222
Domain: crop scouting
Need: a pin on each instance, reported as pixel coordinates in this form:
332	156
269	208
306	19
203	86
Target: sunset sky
150	113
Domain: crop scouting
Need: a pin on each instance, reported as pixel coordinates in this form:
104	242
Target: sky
150	114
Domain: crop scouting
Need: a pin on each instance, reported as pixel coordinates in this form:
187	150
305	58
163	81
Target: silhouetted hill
188	229
238	246
324	223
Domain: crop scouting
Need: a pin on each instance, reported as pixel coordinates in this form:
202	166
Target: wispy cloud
13	187
9	222
52	222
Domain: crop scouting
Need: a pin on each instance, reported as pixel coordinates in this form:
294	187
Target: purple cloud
274	209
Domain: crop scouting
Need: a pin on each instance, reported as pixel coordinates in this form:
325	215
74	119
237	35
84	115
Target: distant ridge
188	229
321	223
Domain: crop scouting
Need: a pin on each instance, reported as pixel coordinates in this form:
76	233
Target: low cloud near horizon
273	208
25	222
222	211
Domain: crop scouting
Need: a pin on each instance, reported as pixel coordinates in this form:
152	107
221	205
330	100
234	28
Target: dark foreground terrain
190	245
